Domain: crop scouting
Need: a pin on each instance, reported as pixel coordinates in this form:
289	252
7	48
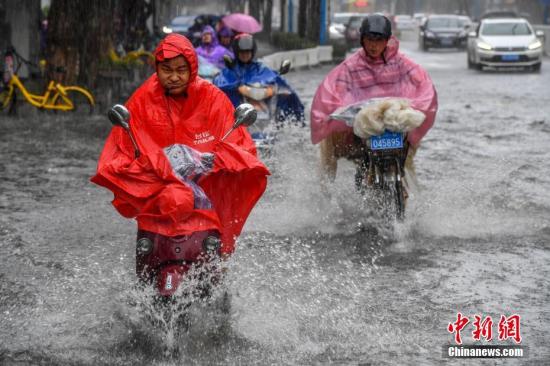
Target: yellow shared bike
56	97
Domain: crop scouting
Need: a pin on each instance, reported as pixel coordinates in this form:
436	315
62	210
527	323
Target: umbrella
242	23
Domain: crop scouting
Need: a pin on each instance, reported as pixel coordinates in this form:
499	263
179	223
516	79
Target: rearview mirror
539	34
285	67
119	116
245	114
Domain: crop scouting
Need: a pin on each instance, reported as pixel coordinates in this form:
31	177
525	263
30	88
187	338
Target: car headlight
430	34
484	46
167	30
462	34
535	45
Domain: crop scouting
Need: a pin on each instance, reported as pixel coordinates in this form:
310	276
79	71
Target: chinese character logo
457	326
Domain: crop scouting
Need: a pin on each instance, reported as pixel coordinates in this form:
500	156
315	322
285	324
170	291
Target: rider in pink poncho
376	70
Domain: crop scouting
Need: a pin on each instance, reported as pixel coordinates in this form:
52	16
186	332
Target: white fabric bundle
393	114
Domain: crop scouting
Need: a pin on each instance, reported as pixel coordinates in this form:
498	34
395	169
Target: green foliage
290	41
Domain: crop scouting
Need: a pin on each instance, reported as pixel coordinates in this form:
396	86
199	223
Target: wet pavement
315	280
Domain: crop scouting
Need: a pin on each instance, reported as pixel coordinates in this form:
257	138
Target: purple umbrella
242	23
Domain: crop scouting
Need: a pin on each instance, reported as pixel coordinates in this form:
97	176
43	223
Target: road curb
300	58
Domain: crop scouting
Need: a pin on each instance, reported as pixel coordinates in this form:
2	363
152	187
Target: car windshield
464	21
443	23
183	21
341	19
355	22
505	29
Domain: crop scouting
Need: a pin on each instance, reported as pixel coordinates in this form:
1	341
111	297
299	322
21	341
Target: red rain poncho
358	79
148	188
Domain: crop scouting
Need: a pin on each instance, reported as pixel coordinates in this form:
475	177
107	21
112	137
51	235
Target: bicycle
56	97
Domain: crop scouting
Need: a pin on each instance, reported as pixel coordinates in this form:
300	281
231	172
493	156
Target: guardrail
299	58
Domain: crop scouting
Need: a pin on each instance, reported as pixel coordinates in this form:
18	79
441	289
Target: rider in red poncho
186	179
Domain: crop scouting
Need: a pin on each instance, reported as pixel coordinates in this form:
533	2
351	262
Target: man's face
207	38
174	74
374	46
245	56
225	40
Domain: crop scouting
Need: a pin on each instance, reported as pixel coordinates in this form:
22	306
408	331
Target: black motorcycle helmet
375	26
244	42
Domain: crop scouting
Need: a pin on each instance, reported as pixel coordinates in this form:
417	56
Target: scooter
264	99
166	261
380	165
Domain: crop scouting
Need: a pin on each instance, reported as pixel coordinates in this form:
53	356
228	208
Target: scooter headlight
211	244
144	246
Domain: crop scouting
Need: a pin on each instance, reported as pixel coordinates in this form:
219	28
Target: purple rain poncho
213	52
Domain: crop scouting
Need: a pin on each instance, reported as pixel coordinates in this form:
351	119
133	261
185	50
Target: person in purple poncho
225	36
210	49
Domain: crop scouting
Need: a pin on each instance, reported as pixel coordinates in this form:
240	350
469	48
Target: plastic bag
372	117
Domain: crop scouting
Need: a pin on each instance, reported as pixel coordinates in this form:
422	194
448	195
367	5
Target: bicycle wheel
7	98
399	201
80	98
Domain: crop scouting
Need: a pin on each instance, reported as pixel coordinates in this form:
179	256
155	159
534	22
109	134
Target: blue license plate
388	140
446	42
510	57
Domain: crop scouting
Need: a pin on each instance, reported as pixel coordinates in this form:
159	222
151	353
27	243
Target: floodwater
316	279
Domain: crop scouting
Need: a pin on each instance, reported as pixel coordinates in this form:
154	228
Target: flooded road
315	280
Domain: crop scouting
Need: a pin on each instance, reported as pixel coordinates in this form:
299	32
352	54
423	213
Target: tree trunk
78	38
254	7
81	33
314	20
268	15
283	16
302	17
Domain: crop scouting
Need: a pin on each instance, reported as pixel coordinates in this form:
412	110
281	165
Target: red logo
457	326
508	327
483	329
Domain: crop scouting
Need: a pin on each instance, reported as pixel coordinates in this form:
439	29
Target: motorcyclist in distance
225	36
211	50
376	70
246	70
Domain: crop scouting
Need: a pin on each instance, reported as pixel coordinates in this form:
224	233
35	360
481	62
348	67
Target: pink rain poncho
358	79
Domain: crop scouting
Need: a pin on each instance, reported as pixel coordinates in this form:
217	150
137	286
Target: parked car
352	30
503	43
419	18
404	22
180	24
442	31
338	24
191	25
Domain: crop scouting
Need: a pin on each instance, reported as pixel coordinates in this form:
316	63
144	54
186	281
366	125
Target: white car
419	18
404	22
505	42
338	24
